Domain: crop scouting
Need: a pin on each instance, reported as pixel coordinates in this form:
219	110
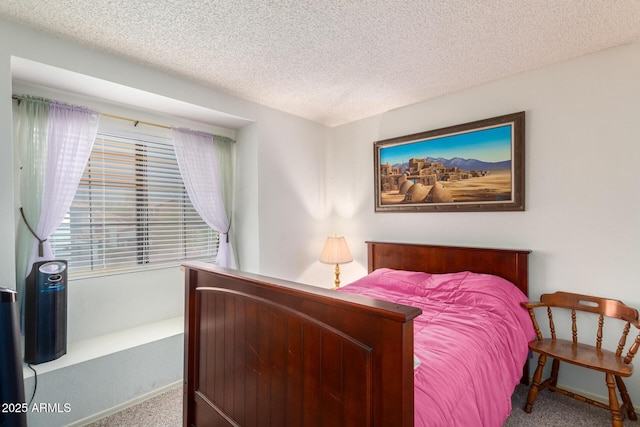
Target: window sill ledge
93	348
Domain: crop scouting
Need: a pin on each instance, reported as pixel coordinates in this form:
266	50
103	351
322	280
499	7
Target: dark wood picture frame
476	166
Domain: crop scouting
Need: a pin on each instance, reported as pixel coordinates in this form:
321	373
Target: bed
266	352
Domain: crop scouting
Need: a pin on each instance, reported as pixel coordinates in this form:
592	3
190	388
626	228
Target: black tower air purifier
13	413
45	334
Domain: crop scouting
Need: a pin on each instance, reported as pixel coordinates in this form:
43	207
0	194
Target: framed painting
477	166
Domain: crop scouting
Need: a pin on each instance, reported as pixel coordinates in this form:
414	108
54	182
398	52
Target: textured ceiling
335	61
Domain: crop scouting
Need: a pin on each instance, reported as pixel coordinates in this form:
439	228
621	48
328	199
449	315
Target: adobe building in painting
429	181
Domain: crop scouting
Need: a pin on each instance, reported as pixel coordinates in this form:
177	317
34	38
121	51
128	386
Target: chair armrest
632	350
530	306
533	304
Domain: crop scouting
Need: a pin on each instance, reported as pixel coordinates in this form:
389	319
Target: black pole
14	408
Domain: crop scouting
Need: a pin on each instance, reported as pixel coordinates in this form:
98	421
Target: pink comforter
471	341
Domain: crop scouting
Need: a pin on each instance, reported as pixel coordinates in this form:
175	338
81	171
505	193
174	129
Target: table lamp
336	252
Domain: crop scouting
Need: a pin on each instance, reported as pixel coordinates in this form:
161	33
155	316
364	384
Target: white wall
294	206
582	178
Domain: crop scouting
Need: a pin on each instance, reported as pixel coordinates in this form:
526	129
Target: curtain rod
135	122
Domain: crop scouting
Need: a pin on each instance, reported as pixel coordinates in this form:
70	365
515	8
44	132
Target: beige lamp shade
335	251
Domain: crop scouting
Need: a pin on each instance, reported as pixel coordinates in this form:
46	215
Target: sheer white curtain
198	162
72	133
52	164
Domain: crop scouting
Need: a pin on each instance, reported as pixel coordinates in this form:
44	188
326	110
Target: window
131	211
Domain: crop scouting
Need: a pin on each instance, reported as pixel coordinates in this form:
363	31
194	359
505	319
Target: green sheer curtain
225	156
32	124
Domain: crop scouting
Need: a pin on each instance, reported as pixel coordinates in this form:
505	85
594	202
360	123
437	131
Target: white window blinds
131	211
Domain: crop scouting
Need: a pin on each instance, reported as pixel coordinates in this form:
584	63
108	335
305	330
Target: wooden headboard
511	264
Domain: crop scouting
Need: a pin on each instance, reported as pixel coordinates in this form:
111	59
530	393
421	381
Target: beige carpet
550	410
164	410
555	410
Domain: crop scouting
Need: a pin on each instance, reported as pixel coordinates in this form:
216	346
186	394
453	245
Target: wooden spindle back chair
615	364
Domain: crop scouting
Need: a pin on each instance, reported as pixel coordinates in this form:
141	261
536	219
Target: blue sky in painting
487	145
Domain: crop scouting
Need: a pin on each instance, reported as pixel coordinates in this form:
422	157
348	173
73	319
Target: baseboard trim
100	415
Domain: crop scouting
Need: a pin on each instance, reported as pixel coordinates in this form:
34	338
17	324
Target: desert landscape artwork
469	167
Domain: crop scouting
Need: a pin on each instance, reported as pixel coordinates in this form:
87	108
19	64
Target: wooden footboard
265	352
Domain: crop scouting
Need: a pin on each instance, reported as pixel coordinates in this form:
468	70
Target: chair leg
616	418
631	413
555	367
535	383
